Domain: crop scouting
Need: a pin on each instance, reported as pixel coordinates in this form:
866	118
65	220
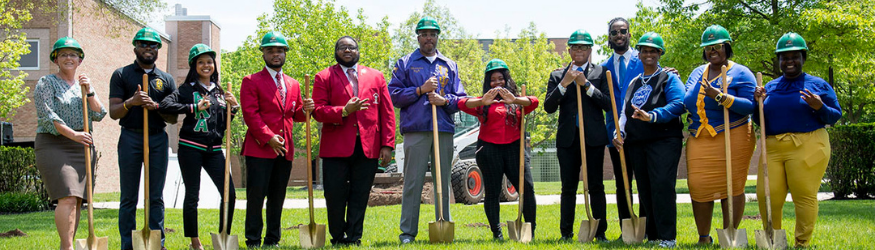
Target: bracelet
719	97
90	94
344	113
418	91
125	104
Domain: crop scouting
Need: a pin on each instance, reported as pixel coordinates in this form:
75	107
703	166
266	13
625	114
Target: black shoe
601	239
354	242
566	238
497	236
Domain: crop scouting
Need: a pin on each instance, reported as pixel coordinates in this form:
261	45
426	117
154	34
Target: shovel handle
437	162
521	184
227	166
728	149
620	149
309	155
583	152
88	179
145	156
763	159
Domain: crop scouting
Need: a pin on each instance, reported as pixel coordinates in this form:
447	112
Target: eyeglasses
579	47
69	55
350	48
150	45
714	47
622	31
427	35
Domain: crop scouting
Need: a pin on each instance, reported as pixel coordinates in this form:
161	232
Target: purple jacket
412	71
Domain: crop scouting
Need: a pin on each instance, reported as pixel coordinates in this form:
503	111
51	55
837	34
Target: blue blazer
633	69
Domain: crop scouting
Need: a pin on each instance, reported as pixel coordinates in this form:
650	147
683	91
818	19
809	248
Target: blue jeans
130	162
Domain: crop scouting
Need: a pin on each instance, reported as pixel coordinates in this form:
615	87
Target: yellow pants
796	162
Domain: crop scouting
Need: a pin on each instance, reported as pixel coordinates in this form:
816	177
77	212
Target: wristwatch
235	108
344	113
90	94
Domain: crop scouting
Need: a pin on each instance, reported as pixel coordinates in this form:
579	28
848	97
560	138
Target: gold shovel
312	235
92	242
590	225
729	236
223	241
769	237
520	231
440	231
146	238
632	228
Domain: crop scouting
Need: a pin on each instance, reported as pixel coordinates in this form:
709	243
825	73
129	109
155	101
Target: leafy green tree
311	28
12	46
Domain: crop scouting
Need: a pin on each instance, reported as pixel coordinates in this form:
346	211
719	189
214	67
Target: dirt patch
390	194
751	217
169	230
13	233
481	224
295	227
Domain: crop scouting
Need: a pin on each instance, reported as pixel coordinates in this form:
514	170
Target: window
30	61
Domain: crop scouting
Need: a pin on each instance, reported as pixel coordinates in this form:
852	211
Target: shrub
20	179
21	202
852	165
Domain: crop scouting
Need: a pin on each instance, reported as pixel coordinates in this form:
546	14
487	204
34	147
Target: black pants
130	165
191	161
347	184
265	178
569	173
622	207
656	165
496	161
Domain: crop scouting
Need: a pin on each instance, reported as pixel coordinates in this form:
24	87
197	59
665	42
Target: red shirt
495	130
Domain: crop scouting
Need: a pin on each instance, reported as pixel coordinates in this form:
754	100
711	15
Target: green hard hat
273	39
199	49
715	34
652	39
428	23
790	42
147	34
495	64
580	37
66	43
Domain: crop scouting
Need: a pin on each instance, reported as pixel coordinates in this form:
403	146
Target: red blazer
376	125
265	117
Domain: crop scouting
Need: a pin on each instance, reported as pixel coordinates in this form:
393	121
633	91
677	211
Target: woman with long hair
204	103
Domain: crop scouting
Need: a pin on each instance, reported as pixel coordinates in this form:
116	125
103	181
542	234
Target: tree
833	29
311	28
12	46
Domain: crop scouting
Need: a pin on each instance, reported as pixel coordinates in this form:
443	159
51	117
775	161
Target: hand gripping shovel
729	236
519	230
146	238
634	227
92	242
769	237
312	235
589	226
223	241
440	231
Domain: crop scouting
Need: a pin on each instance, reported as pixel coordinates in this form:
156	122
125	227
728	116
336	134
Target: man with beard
271	101
128	100
624	66
358	127
421	79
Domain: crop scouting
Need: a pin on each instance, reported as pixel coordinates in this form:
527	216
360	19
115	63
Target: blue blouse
786	111
56	101
706	115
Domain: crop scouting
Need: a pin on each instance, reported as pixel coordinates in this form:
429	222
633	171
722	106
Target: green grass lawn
843	224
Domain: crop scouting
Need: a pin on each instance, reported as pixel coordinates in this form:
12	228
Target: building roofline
192	18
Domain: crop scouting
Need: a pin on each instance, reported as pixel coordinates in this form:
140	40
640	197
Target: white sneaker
668	243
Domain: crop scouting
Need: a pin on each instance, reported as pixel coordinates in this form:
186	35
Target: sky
556	18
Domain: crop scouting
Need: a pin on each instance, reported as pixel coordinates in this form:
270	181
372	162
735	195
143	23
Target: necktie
576	119
354	80
622	70
279	87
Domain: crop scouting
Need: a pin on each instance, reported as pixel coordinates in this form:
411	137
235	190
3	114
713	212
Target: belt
140	131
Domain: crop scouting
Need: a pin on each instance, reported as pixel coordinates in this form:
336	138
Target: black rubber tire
467	183
508	192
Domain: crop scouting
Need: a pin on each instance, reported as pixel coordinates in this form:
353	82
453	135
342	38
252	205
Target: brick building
105	34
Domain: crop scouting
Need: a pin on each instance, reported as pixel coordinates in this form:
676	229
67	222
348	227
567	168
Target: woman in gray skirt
60	139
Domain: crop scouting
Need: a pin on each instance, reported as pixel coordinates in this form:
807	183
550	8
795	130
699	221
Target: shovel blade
777	241
731	237
225	242
441	231
97	243
146	239
520	231
587	230
633	230
312	235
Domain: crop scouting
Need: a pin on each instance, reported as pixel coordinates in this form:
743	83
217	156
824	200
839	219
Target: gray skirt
61	164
